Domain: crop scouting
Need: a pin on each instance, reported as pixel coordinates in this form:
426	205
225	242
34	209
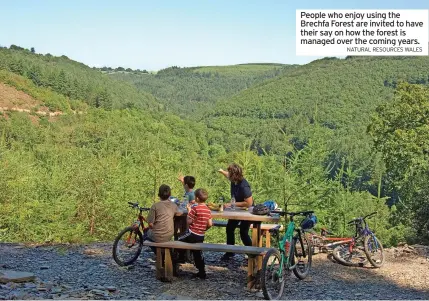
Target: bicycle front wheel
303	256
354	257
374	250
273	275
127	246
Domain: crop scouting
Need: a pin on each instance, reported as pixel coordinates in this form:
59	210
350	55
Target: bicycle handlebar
359	219
136	205
370	215
305	213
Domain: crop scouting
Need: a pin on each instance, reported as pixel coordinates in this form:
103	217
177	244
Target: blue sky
156	34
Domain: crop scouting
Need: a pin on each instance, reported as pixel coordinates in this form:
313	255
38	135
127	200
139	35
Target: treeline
121	69
74	80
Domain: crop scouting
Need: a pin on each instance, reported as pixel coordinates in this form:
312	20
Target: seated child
161	217
199	220
188	184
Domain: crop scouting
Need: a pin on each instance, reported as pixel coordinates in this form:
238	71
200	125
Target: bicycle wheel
373	246
303	265
127	246
355	258
271	265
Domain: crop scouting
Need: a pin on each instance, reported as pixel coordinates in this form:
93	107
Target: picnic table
255	263
234	214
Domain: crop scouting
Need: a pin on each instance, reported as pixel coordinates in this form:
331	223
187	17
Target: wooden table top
240	214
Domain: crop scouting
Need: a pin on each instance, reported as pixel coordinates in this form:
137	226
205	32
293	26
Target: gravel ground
89	272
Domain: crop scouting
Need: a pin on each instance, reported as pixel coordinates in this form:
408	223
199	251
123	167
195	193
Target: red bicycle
129	242
328	243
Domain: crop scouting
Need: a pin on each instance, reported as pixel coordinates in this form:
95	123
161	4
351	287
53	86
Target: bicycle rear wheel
354	258
374	250
303	263
271	267
127	246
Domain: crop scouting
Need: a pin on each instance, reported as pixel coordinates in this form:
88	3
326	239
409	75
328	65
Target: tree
400	131
33	50
15	47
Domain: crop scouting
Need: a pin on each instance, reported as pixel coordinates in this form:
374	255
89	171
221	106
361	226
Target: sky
152	35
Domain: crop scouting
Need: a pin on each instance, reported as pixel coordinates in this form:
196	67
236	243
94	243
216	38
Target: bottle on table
221	204
233	203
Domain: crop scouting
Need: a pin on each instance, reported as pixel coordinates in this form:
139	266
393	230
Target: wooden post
168	265
158	263
250	277
267	239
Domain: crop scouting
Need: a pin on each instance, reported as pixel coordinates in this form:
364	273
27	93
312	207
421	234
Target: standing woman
240	190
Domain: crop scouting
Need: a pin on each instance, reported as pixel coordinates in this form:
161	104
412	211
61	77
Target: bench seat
208	247
164	262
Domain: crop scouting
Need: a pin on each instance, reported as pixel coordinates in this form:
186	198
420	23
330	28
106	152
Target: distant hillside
73	80
337	94
194	90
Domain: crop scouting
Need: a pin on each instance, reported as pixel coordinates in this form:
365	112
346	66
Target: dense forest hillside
71	79
192	91
339	95
317	136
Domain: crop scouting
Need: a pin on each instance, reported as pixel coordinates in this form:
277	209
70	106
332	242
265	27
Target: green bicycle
293	254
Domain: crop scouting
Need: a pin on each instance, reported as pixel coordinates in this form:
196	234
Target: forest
343	137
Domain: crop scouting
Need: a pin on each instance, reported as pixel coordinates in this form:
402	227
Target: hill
72	79
332	99
192	91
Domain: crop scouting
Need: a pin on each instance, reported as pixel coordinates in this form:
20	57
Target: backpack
309	222
260	209
272	205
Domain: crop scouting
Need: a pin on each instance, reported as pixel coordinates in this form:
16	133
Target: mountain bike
293	254
132	237
326	242
364	239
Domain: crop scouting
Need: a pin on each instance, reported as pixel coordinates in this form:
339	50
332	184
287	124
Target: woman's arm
225	173
246	203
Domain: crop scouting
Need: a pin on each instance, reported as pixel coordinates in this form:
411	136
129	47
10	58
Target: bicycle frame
139	223
367	232
286	248
333	241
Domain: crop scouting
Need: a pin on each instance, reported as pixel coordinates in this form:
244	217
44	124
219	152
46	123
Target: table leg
180	228
267	239
254	263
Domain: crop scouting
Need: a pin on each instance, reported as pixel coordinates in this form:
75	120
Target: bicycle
363	236
326	242
291	254
136	233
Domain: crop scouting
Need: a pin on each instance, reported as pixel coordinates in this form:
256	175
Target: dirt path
89	272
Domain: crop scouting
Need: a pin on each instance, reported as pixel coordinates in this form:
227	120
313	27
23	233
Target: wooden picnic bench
264	230
164	262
